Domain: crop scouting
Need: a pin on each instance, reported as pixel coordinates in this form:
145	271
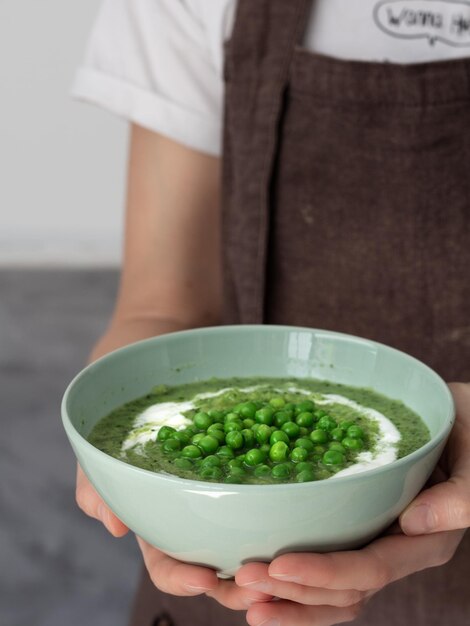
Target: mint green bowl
223	526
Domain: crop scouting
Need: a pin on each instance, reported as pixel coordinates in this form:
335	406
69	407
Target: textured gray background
56	566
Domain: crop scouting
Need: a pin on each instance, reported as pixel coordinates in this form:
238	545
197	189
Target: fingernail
259	585
286	578
418	520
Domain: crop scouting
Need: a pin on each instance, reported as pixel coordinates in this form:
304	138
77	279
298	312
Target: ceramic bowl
223	526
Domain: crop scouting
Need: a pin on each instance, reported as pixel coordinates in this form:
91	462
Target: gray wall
61	198
61	162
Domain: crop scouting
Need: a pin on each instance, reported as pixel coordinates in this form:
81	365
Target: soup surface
260	430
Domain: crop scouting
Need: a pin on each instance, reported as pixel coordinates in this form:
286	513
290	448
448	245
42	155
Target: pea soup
260	430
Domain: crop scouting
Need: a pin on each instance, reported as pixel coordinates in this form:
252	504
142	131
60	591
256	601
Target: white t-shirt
158	63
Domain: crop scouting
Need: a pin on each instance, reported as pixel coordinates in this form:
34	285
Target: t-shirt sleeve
151	62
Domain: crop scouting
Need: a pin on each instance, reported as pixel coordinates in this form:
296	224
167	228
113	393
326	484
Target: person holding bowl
339	198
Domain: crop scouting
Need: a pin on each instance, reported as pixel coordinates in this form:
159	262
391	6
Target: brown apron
347	207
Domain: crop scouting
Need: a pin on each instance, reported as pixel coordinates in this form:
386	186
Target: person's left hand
325	589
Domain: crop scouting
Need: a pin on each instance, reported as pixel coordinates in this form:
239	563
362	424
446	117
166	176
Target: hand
167	574
326	589
92	504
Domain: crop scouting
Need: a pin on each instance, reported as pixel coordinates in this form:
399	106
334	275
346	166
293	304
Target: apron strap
257	64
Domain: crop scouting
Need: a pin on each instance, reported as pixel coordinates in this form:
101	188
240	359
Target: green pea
280	418
304	466
290	406
232	417
171	445
352	444
234	480
211	473
319	436
335	445
254	457
181	435
277	402
237	471
208	444
231	426
262	471
305	405
234	440
236	462
248	423
203	420
304	419
248	409
278	435
333	457
225	452
291	429
183	464
319	413
298	454
211	461
263	433
345	424
305	476
191	452
337	434
248	437
326	423
304	432
279	452
355	432
165	432
265	415
217	416
303	442
217	432
320	449
281	471
197	438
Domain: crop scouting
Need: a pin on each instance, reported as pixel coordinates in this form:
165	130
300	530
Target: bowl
223	526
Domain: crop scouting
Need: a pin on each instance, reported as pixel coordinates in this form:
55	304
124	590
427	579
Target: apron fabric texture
347	207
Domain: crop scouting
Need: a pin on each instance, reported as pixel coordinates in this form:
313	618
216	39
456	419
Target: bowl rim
207	486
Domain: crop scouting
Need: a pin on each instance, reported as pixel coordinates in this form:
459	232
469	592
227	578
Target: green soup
259	430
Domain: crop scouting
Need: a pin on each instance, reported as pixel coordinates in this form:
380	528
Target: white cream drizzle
149	422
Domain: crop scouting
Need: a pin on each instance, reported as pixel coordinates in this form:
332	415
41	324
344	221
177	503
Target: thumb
92	504
443	507
446	505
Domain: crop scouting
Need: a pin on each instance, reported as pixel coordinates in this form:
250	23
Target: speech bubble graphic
447	21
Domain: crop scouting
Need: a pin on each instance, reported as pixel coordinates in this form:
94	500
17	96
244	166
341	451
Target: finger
255	576
233	597
176	577
443	507
378	564
284	613
446	506
92	504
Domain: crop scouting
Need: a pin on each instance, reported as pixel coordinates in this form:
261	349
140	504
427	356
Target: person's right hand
167	574
92	504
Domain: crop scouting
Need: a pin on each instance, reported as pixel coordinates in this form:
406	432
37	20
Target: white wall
62	163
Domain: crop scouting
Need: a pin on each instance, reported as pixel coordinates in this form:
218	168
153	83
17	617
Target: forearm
122	332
